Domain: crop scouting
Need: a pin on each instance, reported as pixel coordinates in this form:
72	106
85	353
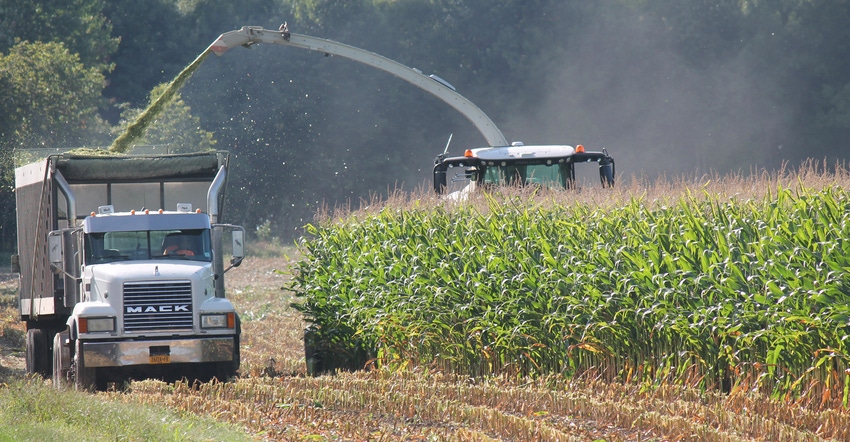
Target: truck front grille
156	306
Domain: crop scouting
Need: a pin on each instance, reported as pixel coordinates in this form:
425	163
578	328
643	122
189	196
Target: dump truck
121	260
542	166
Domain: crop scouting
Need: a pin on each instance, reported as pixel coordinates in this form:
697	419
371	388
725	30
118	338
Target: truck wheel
233	366
224	371
312	355
61	360
85	378
220	371
38	352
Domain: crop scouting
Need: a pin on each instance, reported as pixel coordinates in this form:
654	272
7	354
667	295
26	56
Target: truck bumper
171	351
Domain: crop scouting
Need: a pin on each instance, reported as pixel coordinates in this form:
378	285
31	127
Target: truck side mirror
236	245
55	249
238	248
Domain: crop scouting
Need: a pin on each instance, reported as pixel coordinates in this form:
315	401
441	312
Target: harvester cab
545	166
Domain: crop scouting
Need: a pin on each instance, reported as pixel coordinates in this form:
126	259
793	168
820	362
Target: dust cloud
625	89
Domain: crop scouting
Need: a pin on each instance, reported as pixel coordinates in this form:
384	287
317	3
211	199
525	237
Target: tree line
667	87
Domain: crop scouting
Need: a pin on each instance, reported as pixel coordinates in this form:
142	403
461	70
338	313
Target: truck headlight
218	320
96	325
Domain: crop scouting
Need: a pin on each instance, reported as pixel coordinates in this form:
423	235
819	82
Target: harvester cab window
547	176
552	176
510	174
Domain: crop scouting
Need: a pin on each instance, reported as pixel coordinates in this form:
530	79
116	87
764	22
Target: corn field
703	289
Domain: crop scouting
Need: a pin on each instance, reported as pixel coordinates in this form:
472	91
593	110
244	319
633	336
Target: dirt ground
13	338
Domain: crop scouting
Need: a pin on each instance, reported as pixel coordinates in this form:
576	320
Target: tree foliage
160	37
51	99
79	24
48	99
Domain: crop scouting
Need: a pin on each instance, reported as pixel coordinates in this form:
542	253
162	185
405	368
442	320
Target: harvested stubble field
273	399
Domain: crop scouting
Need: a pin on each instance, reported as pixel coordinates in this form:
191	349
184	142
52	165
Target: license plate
160	359
160	354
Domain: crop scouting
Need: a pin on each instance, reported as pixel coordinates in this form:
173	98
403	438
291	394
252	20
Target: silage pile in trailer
708	291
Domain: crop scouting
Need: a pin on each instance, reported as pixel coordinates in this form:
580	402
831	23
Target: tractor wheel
312	352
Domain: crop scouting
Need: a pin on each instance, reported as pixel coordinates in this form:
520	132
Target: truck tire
232	369
61	361
312	354
224	371
38	353
85	378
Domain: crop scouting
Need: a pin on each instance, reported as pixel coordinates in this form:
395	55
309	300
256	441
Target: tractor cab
545	166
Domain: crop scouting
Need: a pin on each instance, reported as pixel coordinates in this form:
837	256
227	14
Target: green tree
704	31
808	42
153	49
49	99
160	37
79	24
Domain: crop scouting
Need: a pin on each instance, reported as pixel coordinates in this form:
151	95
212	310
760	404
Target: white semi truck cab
116	287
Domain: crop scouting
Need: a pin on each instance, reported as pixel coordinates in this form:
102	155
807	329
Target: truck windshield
548	176
191	244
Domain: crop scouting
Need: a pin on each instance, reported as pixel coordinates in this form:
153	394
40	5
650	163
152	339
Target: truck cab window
107	247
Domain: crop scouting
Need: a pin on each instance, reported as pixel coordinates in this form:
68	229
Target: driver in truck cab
178	243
